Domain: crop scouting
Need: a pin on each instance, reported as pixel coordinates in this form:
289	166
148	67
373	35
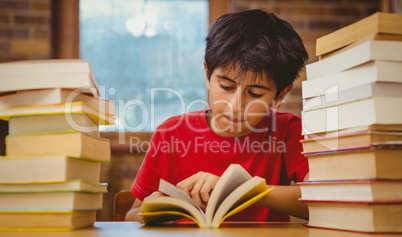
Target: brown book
361	190
370	217
380	22
75	144
376	36
361	129
46	221
358	139
356	163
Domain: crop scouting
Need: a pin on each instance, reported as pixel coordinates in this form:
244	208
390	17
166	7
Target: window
147	56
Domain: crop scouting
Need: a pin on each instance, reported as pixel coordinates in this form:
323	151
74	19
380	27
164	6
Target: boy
251	60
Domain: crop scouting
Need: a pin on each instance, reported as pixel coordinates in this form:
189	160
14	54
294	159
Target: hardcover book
46	220
75	144
15	170
369	217
380	22
55	73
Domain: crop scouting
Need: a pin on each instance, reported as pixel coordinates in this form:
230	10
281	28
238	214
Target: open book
235	191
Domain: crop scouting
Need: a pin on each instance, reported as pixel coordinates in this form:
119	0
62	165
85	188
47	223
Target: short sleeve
153	168
296	163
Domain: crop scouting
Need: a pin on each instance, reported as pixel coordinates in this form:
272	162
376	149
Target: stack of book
49	178
352	123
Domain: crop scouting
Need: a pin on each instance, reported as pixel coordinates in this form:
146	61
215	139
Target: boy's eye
254	95
226	87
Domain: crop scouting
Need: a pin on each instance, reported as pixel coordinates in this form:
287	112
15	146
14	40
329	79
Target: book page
173	191
233	177
170	208
244	196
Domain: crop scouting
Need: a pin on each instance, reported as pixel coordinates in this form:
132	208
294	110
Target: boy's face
239	104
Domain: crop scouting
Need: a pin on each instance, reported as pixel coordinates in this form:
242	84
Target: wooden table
128	229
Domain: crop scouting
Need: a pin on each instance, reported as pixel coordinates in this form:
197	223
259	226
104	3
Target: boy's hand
154	194
199	186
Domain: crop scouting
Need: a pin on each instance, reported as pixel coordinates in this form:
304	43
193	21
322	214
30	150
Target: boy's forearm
132	215
285	199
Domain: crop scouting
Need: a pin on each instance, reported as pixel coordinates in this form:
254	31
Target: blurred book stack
49	178
352	127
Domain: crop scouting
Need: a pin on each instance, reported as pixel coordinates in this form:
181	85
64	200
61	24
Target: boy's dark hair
256	41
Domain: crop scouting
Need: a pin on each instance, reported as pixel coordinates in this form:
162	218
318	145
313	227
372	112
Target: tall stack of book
49	178
352	123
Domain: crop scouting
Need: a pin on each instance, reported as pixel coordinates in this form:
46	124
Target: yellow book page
245	205
98	117
163	216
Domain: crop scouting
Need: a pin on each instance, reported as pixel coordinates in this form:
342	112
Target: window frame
66	38
66	25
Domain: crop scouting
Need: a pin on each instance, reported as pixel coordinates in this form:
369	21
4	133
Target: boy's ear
278	101
206	76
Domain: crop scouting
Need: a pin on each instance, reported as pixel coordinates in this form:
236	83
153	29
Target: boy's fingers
205	192
187	184
208	186
195	193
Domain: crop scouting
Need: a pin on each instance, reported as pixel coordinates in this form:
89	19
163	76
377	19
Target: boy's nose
237	102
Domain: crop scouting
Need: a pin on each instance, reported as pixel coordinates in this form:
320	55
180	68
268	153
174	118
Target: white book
377	110
362	53
363	91
373	71
55	73
44	67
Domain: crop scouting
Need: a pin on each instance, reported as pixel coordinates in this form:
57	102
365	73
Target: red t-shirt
184	145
